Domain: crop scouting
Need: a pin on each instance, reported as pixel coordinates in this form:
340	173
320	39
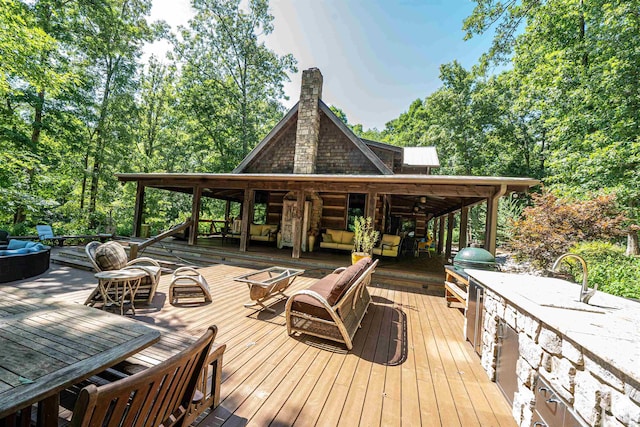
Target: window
260	203
355	208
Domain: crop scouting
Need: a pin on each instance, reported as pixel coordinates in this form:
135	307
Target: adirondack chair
157	396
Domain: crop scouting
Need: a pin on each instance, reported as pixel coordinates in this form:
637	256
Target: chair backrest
90	250
44	231
158	396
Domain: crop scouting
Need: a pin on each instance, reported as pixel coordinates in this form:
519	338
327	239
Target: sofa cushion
17	244
390	240
111	256
336	235
347	238
310	305
255	229
347	277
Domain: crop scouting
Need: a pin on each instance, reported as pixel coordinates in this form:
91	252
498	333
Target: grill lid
474	258
478	255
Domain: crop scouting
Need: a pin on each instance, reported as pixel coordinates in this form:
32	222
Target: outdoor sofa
337	239
23	259
334	306
263	232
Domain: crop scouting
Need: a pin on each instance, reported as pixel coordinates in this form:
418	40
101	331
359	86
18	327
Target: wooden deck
409	366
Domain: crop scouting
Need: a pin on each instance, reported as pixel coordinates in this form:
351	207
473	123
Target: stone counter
589	353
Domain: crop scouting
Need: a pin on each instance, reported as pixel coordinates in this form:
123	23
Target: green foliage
365	236
552	226
610	269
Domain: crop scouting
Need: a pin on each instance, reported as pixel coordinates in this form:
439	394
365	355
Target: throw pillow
17	244
111	256
326	237
346	279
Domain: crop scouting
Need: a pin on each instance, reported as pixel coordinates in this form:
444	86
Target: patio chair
157	396
112	256
45	232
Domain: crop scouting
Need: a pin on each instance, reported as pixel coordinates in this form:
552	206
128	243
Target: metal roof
421	156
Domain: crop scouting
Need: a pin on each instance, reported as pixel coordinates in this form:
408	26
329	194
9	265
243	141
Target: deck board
409	365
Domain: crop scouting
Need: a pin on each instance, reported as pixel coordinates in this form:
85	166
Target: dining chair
157	396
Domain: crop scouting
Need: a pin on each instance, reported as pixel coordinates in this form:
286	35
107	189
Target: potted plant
364	238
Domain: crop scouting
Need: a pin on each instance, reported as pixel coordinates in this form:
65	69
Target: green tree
230	82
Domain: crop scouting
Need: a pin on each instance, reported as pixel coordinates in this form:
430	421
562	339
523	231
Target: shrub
552	226
609	268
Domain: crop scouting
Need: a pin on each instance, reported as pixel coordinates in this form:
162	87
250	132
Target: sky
376	56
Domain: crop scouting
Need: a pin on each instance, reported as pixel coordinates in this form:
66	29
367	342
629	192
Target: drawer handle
553	400
539	423
542	389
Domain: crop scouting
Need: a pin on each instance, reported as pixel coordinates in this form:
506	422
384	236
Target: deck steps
172	254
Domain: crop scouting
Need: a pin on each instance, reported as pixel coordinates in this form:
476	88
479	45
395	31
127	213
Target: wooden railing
135	248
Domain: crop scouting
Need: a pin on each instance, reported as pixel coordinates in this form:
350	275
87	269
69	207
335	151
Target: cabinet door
508	353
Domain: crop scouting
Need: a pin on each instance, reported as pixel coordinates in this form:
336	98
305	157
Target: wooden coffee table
268	283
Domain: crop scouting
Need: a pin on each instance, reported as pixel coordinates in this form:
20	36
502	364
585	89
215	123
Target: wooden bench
454	293
455	287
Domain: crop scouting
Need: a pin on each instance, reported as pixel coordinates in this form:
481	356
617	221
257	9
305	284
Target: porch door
287	224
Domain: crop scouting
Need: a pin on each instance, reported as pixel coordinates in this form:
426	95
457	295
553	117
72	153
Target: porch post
370	208
139	208
491	226
195	215
383	220
247	207
440	234
449	235
464	219
297	224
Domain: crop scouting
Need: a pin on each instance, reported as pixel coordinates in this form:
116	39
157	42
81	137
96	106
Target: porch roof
448	193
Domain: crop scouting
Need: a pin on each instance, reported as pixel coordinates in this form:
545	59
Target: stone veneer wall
308	130
597	392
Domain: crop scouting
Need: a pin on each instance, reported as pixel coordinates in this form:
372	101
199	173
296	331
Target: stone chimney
308	130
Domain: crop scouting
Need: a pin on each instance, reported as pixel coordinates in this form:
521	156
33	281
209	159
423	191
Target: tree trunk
632	243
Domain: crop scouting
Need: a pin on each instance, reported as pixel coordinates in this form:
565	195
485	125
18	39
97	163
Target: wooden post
370	208
195	215
139	208
464	220
491	226
440	234
227	210
247	208
383	220
449	235
297	224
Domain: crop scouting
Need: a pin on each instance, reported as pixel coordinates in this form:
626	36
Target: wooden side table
115	285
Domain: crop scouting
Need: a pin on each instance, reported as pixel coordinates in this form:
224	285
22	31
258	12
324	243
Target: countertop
608	327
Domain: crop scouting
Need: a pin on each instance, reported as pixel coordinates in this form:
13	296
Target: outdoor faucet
585	292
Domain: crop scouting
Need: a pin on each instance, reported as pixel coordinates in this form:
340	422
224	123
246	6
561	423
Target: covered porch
299	206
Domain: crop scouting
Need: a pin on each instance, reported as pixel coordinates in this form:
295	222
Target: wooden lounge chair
112	256
334	306
158	396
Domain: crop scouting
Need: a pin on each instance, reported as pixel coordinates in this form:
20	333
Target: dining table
47	345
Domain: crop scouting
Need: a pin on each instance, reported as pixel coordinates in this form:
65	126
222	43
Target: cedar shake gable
339	152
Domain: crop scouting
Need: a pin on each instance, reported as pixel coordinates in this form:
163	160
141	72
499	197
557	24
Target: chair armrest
339	270
143	259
